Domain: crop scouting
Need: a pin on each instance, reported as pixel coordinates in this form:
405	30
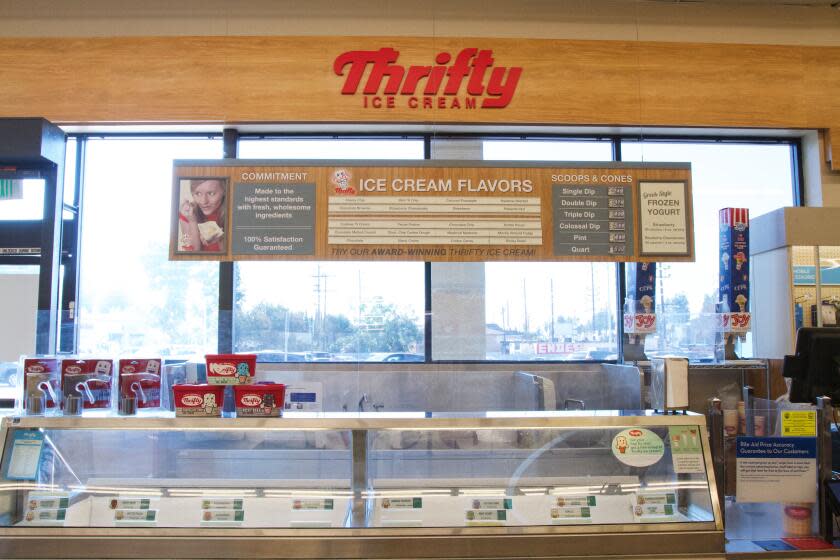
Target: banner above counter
430	211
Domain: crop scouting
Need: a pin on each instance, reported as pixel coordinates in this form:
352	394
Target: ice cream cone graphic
724	258
621	444
740	259
647	303
742	302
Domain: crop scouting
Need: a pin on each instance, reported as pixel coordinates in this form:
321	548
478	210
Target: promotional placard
776	469
430	211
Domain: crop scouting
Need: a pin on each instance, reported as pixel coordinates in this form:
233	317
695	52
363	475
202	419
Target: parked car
318	357
396	357
272	356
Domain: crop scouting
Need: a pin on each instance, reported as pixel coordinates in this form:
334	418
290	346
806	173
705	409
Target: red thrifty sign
443	82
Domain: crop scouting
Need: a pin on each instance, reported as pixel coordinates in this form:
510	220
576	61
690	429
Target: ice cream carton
230	369
198	400
140	379
261	399
734	278
640	311
88	378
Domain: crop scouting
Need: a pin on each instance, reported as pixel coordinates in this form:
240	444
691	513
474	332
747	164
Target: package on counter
41	380
734	259
198	400
88	378
261	399
230	369
140	379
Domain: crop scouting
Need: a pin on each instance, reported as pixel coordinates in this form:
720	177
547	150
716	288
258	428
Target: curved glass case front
358	472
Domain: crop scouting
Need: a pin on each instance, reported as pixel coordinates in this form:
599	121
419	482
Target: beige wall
767	22
733	21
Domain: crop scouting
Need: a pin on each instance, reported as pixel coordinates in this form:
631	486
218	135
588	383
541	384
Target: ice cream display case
351	485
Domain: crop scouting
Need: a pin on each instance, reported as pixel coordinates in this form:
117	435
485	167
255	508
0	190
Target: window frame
231	138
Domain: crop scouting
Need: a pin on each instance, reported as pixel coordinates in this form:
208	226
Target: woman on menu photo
202	215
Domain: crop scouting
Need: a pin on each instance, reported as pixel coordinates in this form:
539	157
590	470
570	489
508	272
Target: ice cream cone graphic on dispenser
647	303
724	259
740	259
742	303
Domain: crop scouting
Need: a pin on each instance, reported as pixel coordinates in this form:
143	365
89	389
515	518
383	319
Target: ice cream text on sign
441	83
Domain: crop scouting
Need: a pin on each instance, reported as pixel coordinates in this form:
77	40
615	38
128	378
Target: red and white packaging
261	399
230	369
38	371
198	400
89	378
140	379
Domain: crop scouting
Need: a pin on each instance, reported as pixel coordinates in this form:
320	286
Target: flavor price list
592	220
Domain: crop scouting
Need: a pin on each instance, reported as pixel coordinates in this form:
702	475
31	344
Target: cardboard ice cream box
640	317
734	284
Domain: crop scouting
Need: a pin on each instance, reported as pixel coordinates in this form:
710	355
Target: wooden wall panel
290	79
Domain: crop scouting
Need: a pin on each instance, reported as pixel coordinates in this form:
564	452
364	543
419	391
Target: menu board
430	211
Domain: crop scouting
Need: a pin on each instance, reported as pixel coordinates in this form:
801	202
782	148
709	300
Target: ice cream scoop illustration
647	303
742	302
621	444
740	259
724	258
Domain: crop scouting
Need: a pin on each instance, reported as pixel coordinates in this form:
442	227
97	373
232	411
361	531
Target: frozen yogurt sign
470	80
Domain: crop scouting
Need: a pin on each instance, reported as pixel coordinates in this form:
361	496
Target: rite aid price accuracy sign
430	211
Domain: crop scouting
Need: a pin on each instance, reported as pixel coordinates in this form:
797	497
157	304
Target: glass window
320	311
754	176
529	311
132	298
311	148
330	311
547	150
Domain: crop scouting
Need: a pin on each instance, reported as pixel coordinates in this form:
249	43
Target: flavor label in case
130	503
135	515
325	504
402	503
48	502
492	503
656	499
588	501
653	510
222	503
222	516
486	516
581	514
46	515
